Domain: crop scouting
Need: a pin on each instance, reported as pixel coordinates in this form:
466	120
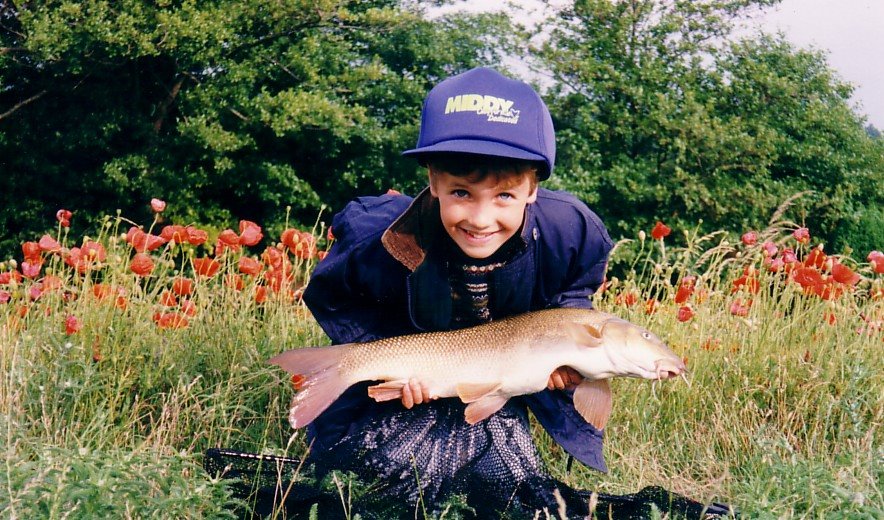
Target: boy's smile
480	216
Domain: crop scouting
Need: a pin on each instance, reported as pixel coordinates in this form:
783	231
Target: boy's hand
414	392
564	378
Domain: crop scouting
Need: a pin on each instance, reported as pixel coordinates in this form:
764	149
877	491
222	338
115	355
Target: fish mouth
668	369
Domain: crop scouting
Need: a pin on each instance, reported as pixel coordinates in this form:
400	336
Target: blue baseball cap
483	112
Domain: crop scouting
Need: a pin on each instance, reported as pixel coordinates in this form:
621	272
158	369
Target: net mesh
418	460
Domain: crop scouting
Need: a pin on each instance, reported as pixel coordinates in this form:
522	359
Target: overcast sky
851	32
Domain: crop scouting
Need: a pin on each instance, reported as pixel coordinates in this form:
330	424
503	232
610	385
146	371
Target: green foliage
662	114
230	109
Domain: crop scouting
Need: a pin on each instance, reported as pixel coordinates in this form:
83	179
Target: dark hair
477	167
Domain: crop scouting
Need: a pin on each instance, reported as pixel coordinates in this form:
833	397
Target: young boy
482	242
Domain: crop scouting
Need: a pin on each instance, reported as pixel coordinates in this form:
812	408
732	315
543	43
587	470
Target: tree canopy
240	110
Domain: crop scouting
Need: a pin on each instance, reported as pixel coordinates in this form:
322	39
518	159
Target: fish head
634	351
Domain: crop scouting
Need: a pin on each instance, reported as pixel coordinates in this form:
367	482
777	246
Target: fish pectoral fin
388	390
594	402
483	408
471	392
585	335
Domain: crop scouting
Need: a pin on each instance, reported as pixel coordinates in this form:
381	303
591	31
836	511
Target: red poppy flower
711	344
168	299
35	292
49	244
249	233
205	266
75	259
788	256
830	318
31	269
876	258
32	252
141	264
143	242
320	255
234	281
749	238
93	252
685	313
843	274
628	298
802	235
775	265
188	307
174	233
807	277
229	238
72	325
260	294
769	248
747	281
250	266
101	291
157	205
170	320
5	296
685	289
739	308
816	257
63	217
10	277
298	381
330	236
51	283
273	257
196	236
182	286
651	306
660	231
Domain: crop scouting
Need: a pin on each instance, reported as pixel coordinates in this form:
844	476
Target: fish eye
646	335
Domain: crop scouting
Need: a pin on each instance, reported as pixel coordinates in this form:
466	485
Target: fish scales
487	364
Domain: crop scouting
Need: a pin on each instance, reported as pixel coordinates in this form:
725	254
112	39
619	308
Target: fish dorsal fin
483	408
594	402
585	335
471	392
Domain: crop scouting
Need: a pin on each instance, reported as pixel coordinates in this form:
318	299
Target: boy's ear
432	183
533	196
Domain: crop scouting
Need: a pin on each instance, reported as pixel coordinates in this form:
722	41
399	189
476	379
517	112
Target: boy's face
481	216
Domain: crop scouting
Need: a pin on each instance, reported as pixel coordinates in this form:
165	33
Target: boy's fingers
417	391
555	381
407	397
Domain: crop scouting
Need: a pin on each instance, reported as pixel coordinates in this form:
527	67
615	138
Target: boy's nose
481	218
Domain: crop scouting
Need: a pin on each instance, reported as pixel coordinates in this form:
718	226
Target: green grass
780	416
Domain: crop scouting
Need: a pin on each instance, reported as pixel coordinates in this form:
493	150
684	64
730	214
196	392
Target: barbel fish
487	364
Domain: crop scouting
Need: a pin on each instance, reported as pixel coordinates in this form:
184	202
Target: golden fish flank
487	364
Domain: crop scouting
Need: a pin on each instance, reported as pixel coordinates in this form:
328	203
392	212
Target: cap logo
497	109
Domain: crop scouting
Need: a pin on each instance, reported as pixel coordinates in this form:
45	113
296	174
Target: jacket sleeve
580	246
354	292
574	253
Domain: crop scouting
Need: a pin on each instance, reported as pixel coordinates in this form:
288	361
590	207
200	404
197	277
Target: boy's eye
460	193
506	196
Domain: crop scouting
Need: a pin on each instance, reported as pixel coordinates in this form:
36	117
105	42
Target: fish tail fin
317	378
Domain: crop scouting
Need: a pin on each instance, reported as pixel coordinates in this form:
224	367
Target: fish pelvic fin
484	408
471	392
320	380
584	335
594	402
387	391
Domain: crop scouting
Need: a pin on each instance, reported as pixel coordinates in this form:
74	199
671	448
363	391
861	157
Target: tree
662	114
227	109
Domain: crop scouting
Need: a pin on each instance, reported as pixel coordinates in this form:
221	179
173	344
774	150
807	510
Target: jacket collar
410	236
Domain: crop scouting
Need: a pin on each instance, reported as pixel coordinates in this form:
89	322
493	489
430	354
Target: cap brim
476	147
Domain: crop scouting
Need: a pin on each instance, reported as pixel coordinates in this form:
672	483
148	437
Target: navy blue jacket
385	276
